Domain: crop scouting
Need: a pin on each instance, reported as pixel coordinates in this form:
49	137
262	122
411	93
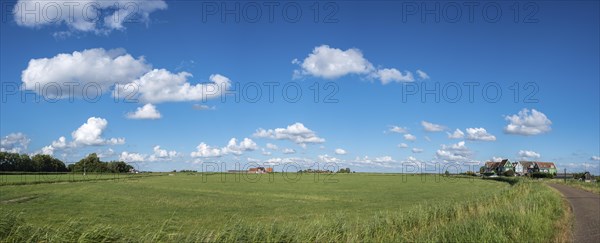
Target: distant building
521	167
528	167
518	167
498	167
587	177
545	167
260	170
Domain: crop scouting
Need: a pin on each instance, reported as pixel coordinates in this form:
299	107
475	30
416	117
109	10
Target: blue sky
370	63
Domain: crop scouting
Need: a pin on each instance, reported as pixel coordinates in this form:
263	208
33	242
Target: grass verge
586	186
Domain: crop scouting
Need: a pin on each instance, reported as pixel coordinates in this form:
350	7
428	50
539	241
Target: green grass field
352	207
25	178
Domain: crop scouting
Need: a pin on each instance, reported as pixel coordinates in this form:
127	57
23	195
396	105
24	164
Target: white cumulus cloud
479	134
90	73
80	74
131	157
148	111
457	134
340	151
289	151
422	75
417	150
90	133
458	152
233	147
162	154
382	161
410	137
331	63
328	159
99	17
14	143
397	129
388	75
430	127
527	154
203	150
296	133
527	123
161	85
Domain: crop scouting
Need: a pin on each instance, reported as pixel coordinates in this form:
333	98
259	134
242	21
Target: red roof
545	164
492	165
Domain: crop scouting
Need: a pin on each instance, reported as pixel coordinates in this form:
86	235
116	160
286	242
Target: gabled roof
527	164
504	162
531	164
546	165
492	165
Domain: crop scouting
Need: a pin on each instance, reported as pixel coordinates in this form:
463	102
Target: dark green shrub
509	173
542	175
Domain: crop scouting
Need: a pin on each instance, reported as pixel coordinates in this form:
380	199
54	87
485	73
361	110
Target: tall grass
527	211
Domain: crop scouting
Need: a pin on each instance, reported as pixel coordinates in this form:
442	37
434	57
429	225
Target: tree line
47	163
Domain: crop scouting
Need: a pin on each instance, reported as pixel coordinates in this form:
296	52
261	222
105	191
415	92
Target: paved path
586	208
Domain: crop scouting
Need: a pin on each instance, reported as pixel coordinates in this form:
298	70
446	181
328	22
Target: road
586	208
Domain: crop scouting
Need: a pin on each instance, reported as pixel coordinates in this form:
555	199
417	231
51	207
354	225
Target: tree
482	169
118	167
47	163
37	163
92	163
344	170
9	161
25	163
447	173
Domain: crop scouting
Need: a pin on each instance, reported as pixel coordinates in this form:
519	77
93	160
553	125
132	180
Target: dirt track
586	208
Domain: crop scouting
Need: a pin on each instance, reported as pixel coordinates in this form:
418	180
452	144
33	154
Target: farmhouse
545	167
528	167
520	167
498	167
256	170
260	170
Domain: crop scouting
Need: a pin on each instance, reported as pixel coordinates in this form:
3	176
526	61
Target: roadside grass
586	186
565	224
465	210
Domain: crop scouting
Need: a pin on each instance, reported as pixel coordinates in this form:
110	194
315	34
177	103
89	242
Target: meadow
187	207
25	178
